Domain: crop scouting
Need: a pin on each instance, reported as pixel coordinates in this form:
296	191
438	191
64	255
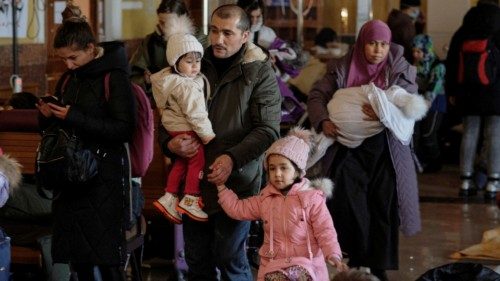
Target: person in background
150	55
324	40
89	217
430	79
478	105
244	109
375	183
22	100
402	25
288	194
179	94
260	34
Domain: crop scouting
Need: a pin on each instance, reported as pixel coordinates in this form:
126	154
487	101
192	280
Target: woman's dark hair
23	100
324	36
173	6
74	30
252	5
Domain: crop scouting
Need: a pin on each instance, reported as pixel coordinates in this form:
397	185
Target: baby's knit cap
179	44
180	41
295	146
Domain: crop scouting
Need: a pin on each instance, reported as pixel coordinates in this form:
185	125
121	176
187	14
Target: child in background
430	79
299	233
179	94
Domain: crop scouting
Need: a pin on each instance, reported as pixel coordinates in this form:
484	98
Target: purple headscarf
361	72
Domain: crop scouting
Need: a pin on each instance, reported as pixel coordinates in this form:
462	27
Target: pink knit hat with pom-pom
295	146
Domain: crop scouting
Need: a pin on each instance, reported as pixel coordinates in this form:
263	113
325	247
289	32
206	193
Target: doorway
55	67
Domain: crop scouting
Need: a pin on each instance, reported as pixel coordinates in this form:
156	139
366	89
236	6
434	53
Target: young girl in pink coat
299	233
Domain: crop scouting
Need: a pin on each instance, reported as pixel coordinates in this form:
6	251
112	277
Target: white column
112	20
363	14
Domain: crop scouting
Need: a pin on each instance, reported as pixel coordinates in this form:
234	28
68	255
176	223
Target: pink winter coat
289	232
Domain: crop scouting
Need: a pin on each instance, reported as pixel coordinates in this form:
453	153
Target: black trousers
364	206
85	272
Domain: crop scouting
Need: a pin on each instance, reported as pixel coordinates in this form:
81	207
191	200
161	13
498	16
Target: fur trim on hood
253	53
323	184
12	170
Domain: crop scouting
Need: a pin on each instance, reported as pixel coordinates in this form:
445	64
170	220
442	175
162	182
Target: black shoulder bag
61	160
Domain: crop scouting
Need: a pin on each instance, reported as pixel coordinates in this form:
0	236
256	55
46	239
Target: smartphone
51	99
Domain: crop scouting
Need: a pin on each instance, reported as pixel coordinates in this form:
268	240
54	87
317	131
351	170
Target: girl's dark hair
74	30
173	6
324	36
252	5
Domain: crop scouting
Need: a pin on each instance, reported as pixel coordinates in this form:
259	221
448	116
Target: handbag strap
271	237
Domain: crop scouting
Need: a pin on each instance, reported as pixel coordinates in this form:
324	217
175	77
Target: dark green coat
245	111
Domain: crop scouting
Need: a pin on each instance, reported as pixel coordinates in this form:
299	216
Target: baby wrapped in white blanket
396	108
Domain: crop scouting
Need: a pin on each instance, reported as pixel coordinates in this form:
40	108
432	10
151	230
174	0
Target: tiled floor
449	224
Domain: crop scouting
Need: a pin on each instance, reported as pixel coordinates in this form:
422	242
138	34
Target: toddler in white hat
179	93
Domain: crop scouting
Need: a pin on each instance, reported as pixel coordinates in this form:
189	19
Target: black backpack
478	62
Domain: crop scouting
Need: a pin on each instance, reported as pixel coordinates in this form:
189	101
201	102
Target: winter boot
191	206
492	187
167	206
467	188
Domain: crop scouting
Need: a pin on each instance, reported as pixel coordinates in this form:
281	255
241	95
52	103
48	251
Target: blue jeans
468	149
216	244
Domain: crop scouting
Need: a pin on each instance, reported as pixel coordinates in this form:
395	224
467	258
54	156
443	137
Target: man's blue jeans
216	244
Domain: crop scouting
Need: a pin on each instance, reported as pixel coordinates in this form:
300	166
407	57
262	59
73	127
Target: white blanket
397	110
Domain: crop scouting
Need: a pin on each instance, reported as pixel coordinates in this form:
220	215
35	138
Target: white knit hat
181	44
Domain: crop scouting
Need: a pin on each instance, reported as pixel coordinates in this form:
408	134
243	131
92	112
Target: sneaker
167	206
191	206
492	187
467	187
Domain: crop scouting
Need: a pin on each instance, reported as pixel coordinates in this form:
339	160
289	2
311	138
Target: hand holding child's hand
337	262
221	170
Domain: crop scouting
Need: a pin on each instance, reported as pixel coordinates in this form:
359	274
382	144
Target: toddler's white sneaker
167	205
191	206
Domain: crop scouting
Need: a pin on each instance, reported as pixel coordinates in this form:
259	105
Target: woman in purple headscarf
375	183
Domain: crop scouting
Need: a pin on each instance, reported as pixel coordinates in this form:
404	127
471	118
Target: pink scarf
361	72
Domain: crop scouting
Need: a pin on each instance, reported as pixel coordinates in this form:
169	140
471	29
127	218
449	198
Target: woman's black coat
89	218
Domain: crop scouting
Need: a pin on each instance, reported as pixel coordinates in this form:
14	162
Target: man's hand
221	169
368	111
329	129
184	145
